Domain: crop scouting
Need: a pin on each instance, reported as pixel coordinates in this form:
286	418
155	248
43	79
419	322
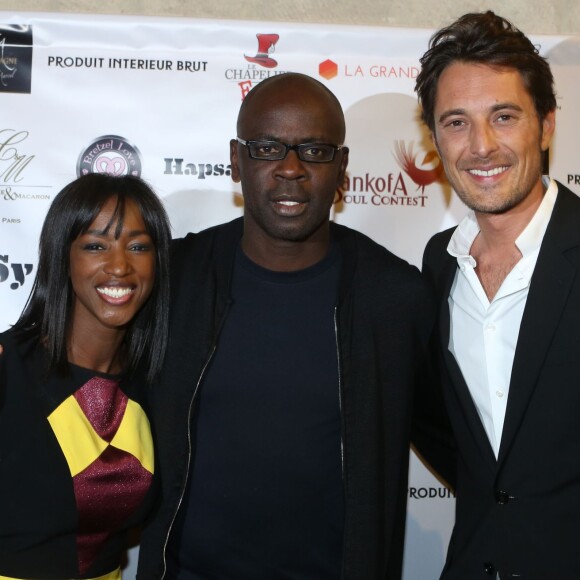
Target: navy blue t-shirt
265	497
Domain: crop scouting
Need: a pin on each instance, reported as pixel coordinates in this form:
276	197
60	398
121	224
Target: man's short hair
488	39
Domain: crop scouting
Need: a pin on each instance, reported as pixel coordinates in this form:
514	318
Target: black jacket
383	320
42	512
520	514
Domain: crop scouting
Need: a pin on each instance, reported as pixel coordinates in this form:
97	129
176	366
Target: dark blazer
519	515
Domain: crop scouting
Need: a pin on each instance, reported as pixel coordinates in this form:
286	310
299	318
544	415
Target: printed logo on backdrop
195	169
564	59
15	58
14	158
392	160
15	163
573	181
428	171
19	272
328	69
110	154
404	188
260	65
440	492
266	45
139	64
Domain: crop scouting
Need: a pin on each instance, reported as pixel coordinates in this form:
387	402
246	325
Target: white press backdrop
160	97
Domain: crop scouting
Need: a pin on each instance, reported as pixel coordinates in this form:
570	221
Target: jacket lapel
460	387
550	286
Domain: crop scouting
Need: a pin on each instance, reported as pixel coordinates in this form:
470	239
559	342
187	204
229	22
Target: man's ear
234	160
342	167
548	127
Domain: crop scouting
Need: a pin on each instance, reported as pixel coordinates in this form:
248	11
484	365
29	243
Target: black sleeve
432	435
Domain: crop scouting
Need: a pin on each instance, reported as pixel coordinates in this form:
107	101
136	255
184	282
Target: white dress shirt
484	334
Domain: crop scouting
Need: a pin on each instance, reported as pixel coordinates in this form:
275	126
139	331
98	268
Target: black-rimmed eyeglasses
275	151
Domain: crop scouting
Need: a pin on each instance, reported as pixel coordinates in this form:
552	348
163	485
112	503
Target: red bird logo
407	161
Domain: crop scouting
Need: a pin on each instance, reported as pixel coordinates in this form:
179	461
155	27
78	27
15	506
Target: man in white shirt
508	282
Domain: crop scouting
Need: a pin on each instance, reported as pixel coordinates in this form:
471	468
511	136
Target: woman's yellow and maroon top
76	467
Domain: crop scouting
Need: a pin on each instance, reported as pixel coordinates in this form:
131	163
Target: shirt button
499	393
490	327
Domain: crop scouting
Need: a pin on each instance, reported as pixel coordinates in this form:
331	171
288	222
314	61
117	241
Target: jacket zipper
342	444
201	376
339	392
212	352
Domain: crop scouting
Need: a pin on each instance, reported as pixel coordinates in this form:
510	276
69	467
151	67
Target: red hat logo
266	45
407	161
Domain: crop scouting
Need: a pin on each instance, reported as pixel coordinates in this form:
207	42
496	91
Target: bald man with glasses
284	415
